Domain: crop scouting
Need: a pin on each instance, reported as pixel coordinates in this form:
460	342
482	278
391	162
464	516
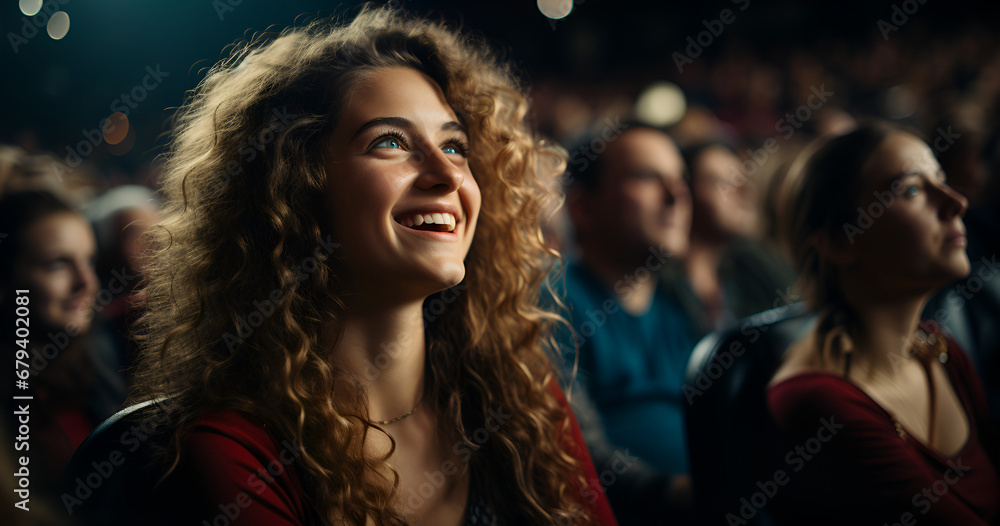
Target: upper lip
78	302
953	235
436	208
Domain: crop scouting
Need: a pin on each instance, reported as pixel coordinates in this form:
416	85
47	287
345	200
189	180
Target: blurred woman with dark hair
893	402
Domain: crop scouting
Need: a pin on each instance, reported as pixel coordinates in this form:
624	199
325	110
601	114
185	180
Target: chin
452	279
444	277
962	270
675	246
949	274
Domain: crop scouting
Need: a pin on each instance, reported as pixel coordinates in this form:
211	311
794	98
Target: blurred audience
49	252
120	216
631	211
726	274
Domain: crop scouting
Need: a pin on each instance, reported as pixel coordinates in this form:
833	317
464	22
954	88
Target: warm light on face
56	265
909	231
401	195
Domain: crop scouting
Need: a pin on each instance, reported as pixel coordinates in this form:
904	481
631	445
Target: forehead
899	153
644	149
64	231
395	91
714	158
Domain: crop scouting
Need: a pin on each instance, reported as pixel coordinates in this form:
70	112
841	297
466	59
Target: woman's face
723	209
400	193
915	239
57	265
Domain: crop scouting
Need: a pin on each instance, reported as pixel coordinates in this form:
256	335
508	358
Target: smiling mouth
436	222
78	303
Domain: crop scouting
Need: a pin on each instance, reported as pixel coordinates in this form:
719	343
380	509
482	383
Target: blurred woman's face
57	266
915	239
723	209
402	198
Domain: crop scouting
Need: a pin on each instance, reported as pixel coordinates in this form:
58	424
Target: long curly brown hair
243	190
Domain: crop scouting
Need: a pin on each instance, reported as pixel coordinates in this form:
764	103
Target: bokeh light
58	25
661	104
899	102
30	7
116	128
125	145
555	9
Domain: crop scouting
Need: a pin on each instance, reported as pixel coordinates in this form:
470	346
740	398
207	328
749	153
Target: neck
886	325
631	278
701	265
382	346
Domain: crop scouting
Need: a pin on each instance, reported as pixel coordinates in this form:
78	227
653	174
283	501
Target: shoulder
803	400
227	426
591	493
226	458
227	438
581	283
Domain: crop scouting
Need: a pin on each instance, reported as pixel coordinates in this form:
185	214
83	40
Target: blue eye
457	147
912	190
388	142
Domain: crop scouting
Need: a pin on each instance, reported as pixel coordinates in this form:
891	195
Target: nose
674	191
84	278
953	203
437	171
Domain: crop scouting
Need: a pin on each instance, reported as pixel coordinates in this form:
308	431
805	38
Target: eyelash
459	144
387	135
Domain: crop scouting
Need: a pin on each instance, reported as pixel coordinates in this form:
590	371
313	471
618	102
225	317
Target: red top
866	470
233	468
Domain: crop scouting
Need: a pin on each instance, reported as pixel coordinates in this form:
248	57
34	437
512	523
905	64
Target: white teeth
437	218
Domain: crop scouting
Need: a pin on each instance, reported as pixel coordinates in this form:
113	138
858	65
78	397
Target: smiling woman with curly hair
336	346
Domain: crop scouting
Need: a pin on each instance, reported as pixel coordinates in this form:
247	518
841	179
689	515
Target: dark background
55	91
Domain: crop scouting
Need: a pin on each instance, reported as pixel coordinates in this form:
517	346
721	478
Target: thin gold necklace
400	417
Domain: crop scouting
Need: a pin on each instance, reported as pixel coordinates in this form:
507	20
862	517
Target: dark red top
233	468
865	472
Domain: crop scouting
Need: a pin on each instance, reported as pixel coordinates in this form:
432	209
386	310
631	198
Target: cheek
48	286
473	196
898	237
641	199
354	206
48	290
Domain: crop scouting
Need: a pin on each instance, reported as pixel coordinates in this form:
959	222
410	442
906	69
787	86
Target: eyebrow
940	174
400	122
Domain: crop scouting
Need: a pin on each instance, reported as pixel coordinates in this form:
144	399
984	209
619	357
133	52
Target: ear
837	250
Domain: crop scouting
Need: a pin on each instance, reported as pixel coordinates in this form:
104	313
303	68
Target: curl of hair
243	190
